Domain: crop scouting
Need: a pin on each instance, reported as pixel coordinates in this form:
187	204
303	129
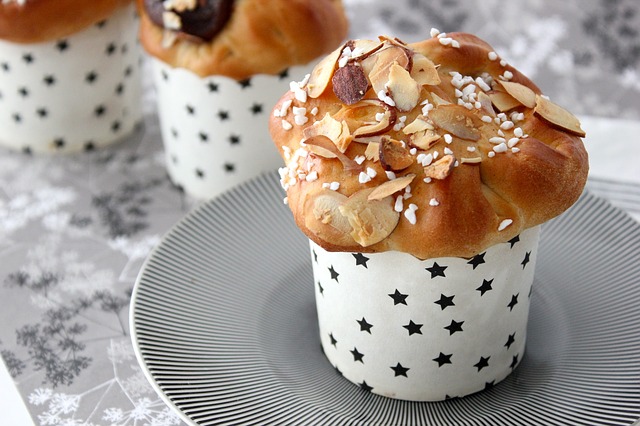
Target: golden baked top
34	21
250	37
437	148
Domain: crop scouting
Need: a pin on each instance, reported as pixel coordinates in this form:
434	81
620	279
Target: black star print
256	109
42	112
361	259
128	71
333	339
164	75
229	167
190	109
62	45
485	287
27	150
514	301
526	259
199	173
315	256
120	89
284	74
174	132
91	77
234	139
59	143
365	386
514	361
399	370
17	118
510	341
27	58
443	359
454	327
213	87
357	356
399	298
101	24
115	126
445	301
124	49
514	240
364	325
476	260
89	146
223	115
99	110
203	137
111	49
23	91
484	362
413	328
5	67
489	385
320	288
49	80
436	270
245	83
334	274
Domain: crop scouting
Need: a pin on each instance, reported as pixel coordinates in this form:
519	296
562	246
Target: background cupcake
421	178
219	68
69	74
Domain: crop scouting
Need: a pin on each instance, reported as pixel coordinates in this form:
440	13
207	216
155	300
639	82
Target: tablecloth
75	230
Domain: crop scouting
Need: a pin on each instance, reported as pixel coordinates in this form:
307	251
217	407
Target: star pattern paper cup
77	93
425	330
215	129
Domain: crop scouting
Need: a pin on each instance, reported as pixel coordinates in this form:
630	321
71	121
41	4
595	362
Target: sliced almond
323	217
385	58
390	187
335	130
350	83
555	114
457	120
404	90
377	127
321	144
362	114
418	125
394	155
371	221
424	140
441	168
322	73
438	100
503	101
368	47
424	71
372	152
520	92
486	106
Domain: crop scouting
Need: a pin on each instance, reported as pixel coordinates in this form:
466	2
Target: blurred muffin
421	173
219	67
72	84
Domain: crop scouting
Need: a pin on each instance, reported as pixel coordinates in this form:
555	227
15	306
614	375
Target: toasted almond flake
336	131
456	120
322	73
424	140
441	168
390	187
385	58
520	92
372	152
371	221
323	217
324	147
503	225
503	101
394	155
417	125
555	114
424	71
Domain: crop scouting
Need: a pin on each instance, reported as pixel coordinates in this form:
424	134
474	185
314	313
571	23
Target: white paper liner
425	330
215	129
81	92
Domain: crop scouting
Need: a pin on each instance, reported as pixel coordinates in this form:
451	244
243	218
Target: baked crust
495	190
44	20
261	37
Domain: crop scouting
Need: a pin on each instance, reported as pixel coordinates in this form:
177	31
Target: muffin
219	68
421	176
74	83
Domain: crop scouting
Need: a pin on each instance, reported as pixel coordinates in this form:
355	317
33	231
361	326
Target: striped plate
223	323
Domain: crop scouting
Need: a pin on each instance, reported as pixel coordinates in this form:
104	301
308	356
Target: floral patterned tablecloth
75	230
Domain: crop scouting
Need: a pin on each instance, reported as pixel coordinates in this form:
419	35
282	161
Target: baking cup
80	92
215	129
425	330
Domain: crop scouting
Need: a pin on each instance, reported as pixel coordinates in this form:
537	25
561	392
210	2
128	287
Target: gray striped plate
223	324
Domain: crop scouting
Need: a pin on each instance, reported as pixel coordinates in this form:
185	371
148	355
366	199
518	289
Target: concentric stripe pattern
224	325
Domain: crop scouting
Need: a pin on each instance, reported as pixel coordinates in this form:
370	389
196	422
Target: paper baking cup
81	92
215	129
425	330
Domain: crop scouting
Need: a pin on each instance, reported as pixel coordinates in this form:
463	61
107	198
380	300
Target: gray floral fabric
75	230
